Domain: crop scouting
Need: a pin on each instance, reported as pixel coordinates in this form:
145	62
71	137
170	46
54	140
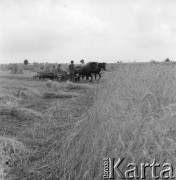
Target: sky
58	31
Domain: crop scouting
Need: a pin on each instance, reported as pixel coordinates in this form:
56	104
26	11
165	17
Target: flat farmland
63	130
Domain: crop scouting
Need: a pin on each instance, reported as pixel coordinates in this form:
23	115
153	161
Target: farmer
47	69
58	67
54	71
71	71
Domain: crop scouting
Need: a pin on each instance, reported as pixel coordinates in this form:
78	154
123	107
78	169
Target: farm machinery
60	76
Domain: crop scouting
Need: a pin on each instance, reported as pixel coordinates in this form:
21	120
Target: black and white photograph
87	89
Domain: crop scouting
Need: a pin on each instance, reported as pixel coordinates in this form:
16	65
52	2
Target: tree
82	61
167	60
26	62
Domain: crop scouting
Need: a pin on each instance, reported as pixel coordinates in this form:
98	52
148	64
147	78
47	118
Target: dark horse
87	70
76	73
92	67
98	68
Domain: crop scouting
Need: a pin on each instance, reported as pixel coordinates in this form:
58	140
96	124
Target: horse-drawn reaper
92	68
59	76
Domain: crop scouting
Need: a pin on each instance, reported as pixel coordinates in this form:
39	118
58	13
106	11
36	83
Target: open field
8	75
51	130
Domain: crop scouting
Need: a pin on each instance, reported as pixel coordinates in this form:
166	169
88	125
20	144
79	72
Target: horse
87	70
98	68
76	73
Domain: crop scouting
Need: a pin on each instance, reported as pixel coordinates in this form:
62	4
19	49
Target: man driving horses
54	71
71	71
58	67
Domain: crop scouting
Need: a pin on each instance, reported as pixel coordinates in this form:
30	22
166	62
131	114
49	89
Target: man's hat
72	61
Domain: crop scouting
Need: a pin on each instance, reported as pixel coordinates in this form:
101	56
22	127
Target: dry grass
12	152
142	96
67	86
35	121
74	86
133	116
27	75
21	114
60	95
17	69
